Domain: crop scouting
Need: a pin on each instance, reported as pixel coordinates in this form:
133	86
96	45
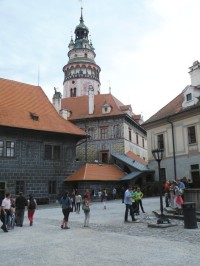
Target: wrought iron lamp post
158	156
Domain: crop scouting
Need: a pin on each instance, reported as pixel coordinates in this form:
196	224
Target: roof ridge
19	82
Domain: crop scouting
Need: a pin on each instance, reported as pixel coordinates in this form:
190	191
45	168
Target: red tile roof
97	172
79	106
173	107
20	103
133	156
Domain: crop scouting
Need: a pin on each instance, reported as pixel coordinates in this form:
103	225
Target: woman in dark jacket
66	205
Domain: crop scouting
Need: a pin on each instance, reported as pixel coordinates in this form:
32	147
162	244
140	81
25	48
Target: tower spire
81	18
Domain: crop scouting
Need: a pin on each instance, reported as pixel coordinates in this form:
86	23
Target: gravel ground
108	240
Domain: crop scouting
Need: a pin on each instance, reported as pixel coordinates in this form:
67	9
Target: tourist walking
104	198
32	204
20	204
66	205
86	209
166	188
5	211
11	217
87	193
134	200
114	192
99	194
73	200
128	204
78	200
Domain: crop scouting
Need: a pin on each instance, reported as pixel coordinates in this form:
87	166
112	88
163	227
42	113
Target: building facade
176	129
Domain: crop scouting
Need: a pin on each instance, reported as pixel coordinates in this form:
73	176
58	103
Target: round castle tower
81	71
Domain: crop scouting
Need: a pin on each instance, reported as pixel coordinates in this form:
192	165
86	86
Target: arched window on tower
73	92
85	54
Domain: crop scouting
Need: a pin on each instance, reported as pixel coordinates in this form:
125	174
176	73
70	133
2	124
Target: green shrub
150	189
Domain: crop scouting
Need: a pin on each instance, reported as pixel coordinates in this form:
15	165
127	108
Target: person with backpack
32	204
86	209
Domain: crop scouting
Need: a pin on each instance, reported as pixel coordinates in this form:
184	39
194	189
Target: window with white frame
130	134
1	148
191	135
104	132
143	142
189	97
160	141
137	138
7	148
116	131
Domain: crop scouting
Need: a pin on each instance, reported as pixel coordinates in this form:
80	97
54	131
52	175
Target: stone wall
29	165
94	146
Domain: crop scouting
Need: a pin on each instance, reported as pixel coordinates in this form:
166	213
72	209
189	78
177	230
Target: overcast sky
144	47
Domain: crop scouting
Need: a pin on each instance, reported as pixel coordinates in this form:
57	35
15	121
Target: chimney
195	73
91	99
57	100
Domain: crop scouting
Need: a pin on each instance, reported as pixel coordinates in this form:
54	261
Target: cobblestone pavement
108	240
112	221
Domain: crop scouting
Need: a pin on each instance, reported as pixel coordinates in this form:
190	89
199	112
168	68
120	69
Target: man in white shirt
114	193
128	204
5	211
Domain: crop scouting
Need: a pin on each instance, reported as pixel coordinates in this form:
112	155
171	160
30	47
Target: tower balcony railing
81	76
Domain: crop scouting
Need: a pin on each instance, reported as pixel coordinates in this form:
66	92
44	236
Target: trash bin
189	213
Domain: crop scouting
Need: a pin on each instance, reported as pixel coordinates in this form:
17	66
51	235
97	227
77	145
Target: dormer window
106	108
189	97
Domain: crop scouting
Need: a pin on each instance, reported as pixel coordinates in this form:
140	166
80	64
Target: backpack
31	205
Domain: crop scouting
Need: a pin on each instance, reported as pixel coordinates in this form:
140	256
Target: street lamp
158	156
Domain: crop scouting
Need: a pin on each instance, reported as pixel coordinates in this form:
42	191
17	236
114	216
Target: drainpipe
174	156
